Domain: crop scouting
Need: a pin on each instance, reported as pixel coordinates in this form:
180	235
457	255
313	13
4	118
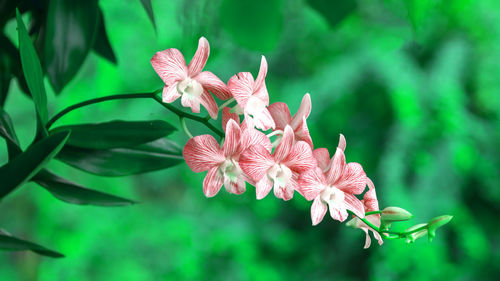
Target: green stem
97	100
189	116
228	102
152	95
185	128
373	213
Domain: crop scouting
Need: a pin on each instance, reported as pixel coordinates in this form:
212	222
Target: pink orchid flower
333	184
252	97
370	203
279	170
189	82
203	153
282	117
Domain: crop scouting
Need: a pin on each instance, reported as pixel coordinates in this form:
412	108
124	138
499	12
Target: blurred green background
413	85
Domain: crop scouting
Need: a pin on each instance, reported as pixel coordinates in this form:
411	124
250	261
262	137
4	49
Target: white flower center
333	196
190	87
231	170
280	175
254	106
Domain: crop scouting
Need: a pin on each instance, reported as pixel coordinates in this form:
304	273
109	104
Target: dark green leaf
71	27
11	243
157	155
8	133
149	9
27	164
73	193
32	70
115	134
101	43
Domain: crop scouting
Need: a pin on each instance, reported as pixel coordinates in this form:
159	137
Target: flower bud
391	214
410	238
436	223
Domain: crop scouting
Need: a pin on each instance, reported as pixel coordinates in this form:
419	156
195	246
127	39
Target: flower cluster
247	153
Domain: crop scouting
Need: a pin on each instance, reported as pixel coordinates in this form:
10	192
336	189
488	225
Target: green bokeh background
413	85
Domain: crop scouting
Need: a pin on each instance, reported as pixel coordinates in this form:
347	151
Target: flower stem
228	102
385	233
185	128
152	95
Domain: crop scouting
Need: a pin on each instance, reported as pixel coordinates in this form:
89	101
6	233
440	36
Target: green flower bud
410	238
391	214
436	223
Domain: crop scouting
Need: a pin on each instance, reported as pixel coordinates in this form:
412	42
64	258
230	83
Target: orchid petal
233	136
227	115
259	82
281	114
338	212
212	182
202	152
311	183
322	157
212	83
207	100
200	57
263	120
241	87
170	93
353	179
337	165
263	187
237	187
250	137
368	241
354	205
285	146
370	198
318	211
170	66
255	161
303	112
342	143
300	158
191	102
302	133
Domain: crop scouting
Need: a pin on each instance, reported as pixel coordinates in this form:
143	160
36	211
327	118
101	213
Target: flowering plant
259	143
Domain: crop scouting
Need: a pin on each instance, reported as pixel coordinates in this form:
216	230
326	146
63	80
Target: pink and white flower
282	117
333	185
189	82
203	153
280	169
370	203
252	97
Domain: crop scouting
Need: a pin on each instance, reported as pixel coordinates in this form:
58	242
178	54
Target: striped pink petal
170	66
255	161
322	157
250	137
263	120
200	57
354	204
353	179
281	114
263	187
285	193
302	133
300	158
202	152
285	146
213	182
260	81
342	143
170	93
191	102
337	165
318	211
227	115
303	112
370	198
237	187
311	183
232	141
368	241
212	83
207	100
241	87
